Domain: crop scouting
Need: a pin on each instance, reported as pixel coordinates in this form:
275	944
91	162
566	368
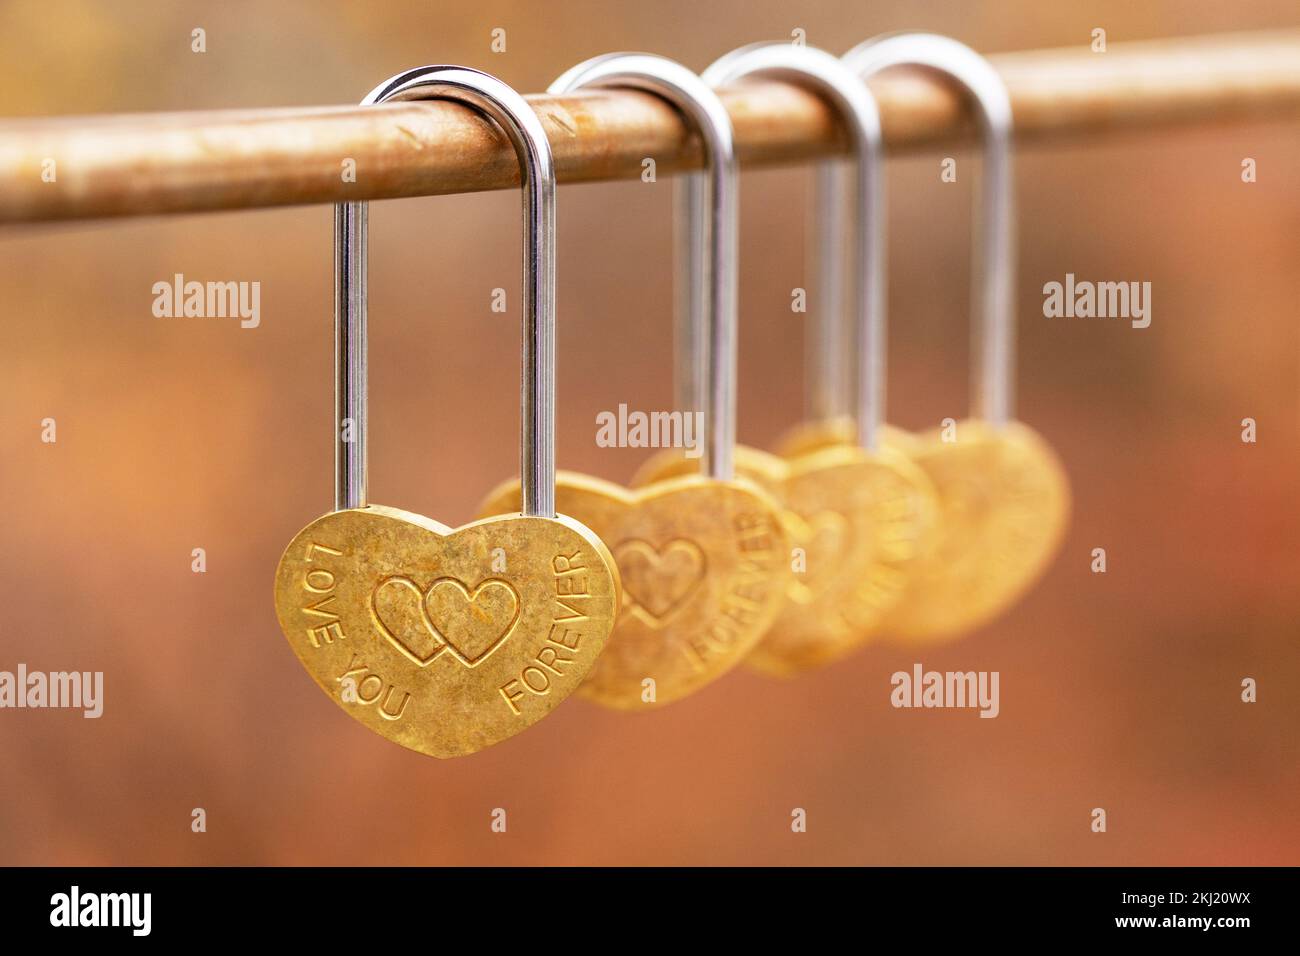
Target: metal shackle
994	268
511	112
856	106
711	364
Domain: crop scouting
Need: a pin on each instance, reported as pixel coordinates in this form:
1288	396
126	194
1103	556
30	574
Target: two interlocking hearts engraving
445	616
446	640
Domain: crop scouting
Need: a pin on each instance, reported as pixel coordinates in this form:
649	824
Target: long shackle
706	377
994	267
857	108
516	118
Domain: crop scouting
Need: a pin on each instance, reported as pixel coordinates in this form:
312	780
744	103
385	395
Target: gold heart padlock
1003	494
704	558
859	515
447	640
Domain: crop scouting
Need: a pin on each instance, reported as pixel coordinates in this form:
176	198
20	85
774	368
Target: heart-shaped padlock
704	558
1003	494
703	564
450	640
1003	505
859	515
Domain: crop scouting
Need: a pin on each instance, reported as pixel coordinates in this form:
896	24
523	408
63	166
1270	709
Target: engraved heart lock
1003	494
859	514
450	640
704	558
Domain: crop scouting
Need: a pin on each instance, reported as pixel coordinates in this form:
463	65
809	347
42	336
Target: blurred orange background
1119	691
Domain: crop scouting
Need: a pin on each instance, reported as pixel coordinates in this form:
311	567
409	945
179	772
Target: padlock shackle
834	81
994	266
516	118
706	372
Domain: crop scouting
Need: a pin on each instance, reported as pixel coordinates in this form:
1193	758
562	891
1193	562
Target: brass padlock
704	558
1003	493
450	640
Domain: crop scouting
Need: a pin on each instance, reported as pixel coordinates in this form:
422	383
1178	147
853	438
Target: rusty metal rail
146	164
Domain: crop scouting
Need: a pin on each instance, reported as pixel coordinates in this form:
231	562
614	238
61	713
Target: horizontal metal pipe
146	164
